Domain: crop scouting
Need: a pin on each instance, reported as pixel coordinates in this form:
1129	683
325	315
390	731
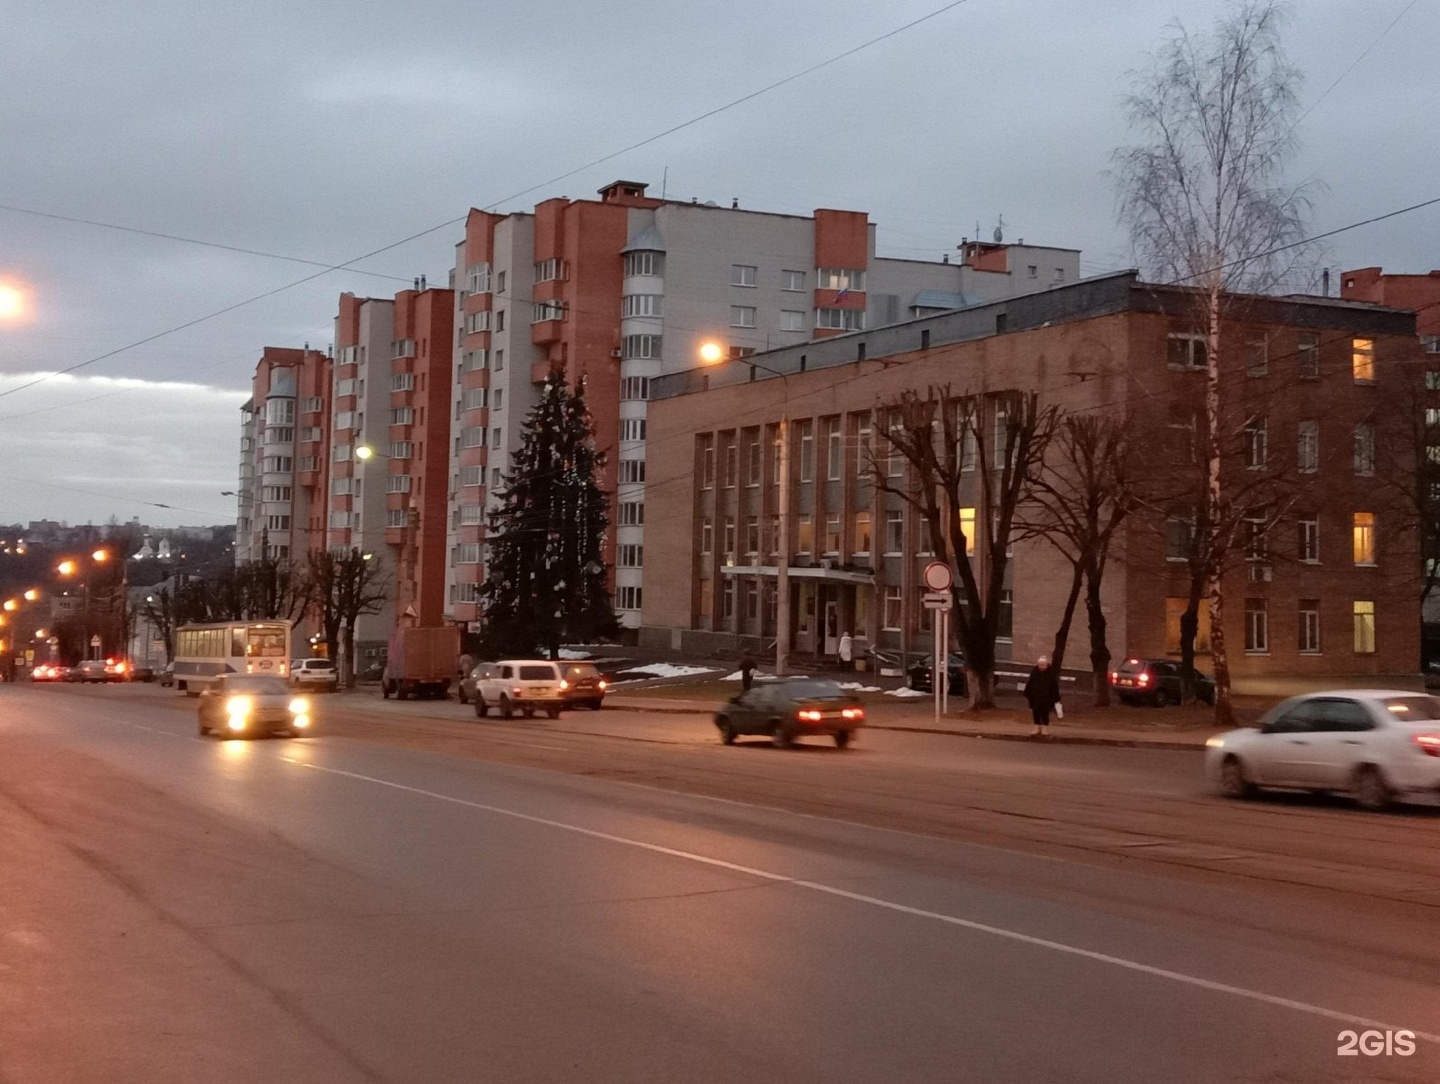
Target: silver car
244	705
1378	745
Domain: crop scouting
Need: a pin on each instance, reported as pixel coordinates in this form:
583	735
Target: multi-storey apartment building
284	433
1322	586
628	288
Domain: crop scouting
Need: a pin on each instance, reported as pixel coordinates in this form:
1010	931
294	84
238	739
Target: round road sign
938	576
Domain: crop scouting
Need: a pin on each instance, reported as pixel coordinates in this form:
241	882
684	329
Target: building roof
942	299
647	240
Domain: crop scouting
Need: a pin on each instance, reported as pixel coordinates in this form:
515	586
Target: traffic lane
1057	799
310	956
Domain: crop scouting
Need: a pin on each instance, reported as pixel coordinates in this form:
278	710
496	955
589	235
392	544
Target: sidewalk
1094	727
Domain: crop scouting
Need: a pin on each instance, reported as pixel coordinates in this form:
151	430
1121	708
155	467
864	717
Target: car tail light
1429	744
853	713
564	685
1114	676
1143	678
809	716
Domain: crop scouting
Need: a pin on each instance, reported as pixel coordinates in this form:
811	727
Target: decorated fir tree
545	579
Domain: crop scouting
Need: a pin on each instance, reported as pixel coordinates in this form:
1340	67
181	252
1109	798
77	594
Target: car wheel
727	731
1371	790
204	730
842	738
385	690
554	713
596	705
507	710
1162	699
1233	780
780	736
460	693
529	713
482	709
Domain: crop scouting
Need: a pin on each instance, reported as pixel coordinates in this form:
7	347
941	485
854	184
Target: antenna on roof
664	182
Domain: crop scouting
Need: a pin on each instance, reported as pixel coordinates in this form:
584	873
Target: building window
727	599
1309	626
752	458
752	536
497	437
642	305
499	361
1307	353
644	263
1364	628
397	483
840	319
806	533
541	311
792	281
1307	456
967	526
895	460
1362	360
397	517
635	387
641	346
832	535
632	428
627	598
467	553
707	535
550	270
1363	531
732	465
842	279
807	451
742	315
477	322
472	476
893	610
1365	448
834	450
472	436
1185	351
402	415
340	453
1032	271
632	471
861	544
276	493
1256	542
314	404
1257	357
473	361
707	464
629	556
476	398
472	515
495	478
1257	627
1309	541
401	449
792	320
894	533
277	523
280	434
752	599
632	513
742	275
1257	441
280	412
500	282
1005	617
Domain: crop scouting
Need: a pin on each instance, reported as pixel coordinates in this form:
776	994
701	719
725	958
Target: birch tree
1203	195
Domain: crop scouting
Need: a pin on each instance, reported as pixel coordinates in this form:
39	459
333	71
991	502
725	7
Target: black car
918	675
1157	682
786	710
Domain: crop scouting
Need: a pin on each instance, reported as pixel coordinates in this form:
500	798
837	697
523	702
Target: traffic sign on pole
936	600
938	576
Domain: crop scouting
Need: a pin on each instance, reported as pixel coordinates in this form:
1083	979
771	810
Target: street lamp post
712	353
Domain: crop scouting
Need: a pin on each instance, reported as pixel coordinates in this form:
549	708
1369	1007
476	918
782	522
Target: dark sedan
918	675
1157	682
786	710
244	705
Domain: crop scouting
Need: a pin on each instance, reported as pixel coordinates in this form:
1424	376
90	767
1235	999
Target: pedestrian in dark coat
747	672
1042	693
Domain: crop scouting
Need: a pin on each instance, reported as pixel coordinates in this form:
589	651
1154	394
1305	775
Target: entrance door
832	627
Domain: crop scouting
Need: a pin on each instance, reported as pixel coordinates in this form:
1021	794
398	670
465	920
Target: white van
523	685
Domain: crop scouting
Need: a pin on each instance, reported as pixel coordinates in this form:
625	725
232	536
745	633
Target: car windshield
536	673
581	672
1413	708
256	686
813	690
319	664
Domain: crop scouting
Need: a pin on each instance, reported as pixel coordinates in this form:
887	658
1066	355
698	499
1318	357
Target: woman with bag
1042	693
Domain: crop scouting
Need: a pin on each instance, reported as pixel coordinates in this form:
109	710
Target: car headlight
1215	741
299	706
238	707
300	722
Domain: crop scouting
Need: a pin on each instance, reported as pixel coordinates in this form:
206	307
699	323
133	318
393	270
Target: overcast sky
323	130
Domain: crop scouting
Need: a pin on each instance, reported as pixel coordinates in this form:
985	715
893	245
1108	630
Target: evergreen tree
545	580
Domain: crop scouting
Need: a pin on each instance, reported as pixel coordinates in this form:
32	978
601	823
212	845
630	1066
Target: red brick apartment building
1329	594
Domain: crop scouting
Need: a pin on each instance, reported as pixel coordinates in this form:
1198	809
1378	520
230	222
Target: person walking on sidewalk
847	652
747	672
1042	693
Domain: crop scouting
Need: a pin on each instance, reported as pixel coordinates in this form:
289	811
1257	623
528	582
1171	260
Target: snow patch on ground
571	653
668	670
737	676
857	687
907	694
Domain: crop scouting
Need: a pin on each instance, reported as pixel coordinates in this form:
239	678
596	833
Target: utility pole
782	568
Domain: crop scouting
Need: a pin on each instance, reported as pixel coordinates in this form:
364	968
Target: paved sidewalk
997	725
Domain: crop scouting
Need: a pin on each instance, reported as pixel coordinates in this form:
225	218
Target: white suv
318	674
523	685
1379	745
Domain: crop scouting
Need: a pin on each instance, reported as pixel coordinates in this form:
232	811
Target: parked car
1157	682
243	705
314	674
142	673
465	690
523	685
167	676
93	671
1378	745
786	710
47	671
583	685
918	675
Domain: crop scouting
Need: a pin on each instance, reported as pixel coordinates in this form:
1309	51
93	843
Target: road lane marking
891	905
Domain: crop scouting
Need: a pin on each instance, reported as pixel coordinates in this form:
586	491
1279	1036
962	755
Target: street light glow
364	451
66	568
12	301
711	352
11	605
31	595
101	555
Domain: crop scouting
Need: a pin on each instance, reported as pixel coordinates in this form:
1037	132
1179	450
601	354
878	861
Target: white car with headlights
1378	745
244	705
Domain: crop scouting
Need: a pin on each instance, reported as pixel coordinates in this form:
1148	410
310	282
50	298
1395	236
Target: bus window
237	642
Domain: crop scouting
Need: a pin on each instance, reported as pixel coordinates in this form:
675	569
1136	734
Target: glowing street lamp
101	556
364	452
11	605
66	568
711	352
12	301
31	595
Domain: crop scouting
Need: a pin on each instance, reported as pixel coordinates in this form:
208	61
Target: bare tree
953	464
1082	492
343	587
1205	202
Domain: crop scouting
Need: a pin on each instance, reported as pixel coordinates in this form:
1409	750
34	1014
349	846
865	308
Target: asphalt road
431	900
